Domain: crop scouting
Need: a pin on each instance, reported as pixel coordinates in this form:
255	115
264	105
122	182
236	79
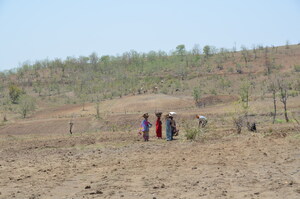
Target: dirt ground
40	160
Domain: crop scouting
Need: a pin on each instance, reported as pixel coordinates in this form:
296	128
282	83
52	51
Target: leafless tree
238	123
283	97
268	64
273	89
245	54
254	52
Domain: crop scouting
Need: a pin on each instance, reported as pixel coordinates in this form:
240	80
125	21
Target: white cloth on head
202	117
172	113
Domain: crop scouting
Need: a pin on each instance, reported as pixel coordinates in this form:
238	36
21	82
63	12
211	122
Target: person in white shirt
202	120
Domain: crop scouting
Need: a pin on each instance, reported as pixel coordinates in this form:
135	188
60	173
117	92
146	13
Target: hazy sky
33	30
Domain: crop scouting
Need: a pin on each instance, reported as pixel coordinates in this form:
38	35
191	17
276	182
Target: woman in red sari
158	125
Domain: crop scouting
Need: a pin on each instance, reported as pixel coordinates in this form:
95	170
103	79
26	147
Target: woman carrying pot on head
145	126
158	125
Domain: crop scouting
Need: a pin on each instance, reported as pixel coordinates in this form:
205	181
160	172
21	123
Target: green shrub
230	70
297	68
165	90
14	93
279	121
213	92
192	133
293	93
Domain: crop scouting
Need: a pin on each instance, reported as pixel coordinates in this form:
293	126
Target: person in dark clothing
174	130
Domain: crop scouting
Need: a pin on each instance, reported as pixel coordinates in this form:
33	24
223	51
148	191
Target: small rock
99	192
32	197
224	193
256	193
87	187
196	183
162	186
194	168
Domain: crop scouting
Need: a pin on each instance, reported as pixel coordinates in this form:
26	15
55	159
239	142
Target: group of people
171	129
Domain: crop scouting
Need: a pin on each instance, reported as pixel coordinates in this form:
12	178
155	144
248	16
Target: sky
32	30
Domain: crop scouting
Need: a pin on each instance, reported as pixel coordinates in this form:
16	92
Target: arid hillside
102	104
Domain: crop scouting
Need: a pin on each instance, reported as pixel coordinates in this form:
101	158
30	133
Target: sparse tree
196	95
14	93
268	64
196	50
6	106
59	64
83	99
94	60
273	89
238	123
287	44
254	49
245	54
234	48
244	96
98	107
207	51
26	105
180	49
283	97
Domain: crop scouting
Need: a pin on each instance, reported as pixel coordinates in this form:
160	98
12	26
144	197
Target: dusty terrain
106	158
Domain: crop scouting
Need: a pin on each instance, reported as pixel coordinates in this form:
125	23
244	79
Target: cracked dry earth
118	165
